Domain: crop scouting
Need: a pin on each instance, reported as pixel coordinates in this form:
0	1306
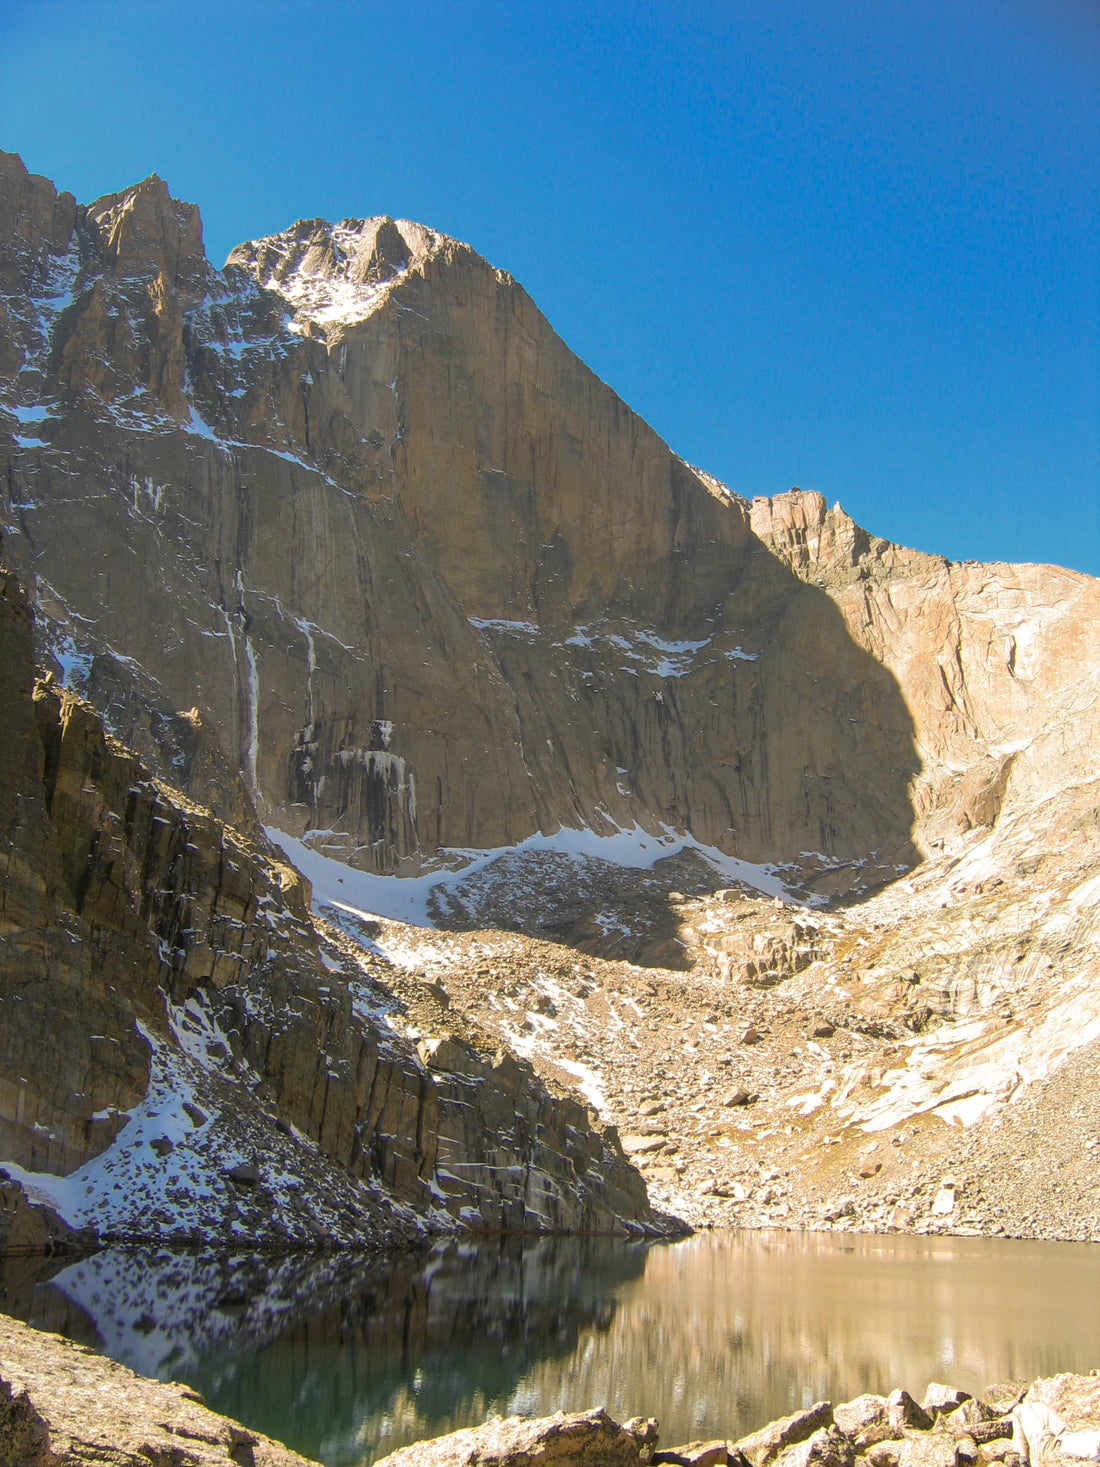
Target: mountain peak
145	231
336	274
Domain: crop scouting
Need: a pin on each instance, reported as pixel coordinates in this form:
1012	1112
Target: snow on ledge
407	898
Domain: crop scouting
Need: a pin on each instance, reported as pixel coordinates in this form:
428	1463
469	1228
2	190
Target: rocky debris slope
918	1061
219	1064
61	1403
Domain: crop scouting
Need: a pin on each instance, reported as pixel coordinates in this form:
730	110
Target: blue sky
852	246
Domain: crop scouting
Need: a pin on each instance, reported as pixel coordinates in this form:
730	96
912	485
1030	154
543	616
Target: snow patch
409	898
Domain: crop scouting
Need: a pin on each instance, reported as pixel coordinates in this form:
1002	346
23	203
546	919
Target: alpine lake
346	1357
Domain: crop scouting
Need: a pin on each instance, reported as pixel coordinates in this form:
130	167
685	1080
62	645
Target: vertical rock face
429	580
164	954
997	663
345	538
428	583
59	1102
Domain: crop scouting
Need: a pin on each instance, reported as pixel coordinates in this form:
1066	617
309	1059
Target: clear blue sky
852	246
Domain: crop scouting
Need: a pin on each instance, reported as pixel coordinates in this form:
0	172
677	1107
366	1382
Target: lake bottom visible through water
346	1358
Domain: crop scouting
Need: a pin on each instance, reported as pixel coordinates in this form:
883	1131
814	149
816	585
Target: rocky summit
739	842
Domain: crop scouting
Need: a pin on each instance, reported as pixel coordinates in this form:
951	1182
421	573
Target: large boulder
566	1439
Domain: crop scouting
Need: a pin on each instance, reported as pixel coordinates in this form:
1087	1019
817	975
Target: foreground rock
948	1428
568	1439
61	1405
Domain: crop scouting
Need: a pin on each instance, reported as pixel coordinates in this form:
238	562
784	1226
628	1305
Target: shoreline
61	1401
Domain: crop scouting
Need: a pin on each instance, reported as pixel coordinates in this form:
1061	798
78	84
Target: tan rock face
140	932
422	582
432	583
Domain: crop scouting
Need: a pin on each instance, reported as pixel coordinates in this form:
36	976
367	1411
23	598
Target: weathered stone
578	1439
863	1420
972	1418
827	1447
884	1453
966	1451
938	1399
924	1448
999	1449
640	1145
903	1412
60	1402
695	1454
1003	1395
764	1446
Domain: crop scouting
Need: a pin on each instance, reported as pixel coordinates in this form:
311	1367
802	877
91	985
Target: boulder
566	1439
695	1454
827	1447
902	1412
938	1399
863	1420
61	1402
926	1449
762	1447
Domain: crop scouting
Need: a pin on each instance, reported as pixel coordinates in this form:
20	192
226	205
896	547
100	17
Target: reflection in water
348	1358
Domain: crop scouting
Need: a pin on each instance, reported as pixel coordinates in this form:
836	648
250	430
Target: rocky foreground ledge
62	1405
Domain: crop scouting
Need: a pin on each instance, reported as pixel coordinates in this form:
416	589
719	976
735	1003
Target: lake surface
347	1358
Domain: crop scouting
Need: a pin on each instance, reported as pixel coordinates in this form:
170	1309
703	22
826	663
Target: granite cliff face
343	540
185	1053
430	582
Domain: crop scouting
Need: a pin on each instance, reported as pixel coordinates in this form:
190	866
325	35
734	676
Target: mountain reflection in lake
347	1358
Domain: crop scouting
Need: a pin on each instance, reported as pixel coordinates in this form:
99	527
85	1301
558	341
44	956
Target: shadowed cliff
431	583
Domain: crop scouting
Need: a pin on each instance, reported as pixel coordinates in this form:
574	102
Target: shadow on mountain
791	748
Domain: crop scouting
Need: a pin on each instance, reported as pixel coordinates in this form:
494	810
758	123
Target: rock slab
61	1405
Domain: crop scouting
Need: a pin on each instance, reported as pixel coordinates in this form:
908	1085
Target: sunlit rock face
429	581
433	585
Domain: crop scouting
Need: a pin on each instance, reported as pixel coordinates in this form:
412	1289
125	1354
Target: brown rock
940	1399
764	1446
577	1439
640	1145
903	1412
695	1454
966	1451
827	1447
61	1402
863	1420
926	1449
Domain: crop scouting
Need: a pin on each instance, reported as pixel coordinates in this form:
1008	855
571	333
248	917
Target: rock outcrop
62	1403
238	1068
432	585
569	1438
